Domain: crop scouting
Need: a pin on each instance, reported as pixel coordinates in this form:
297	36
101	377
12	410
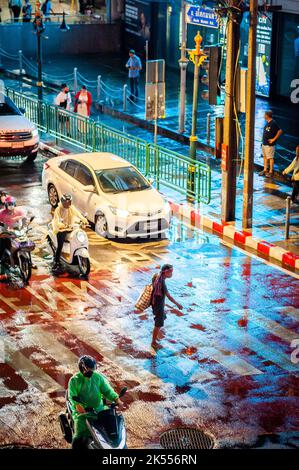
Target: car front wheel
101	226
53	196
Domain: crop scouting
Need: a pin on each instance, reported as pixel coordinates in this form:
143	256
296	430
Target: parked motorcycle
107	428
19	255
75	248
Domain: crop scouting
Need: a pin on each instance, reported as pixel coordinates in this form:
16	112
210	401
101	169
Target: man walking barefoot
158	300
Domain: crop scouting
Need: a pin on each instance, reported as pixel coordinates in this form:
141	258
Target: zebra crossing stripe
31	373
82	293
246	340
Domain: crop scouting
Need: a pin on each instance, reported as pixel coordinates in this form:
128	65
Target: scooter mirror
76	399
32	218
123	391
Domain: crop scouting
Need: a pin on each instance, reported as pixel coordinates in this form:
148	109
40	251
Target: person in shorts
63	100
158	300
270	135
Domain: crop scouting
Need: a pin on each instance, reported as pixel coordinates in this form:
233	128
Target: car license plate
18	145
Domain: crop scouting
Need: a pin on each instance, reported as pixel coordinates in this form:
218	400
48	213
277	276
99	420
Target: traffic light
211	78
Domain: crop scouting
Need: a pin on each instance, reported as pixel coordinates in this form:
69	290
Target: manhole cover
186	438
15	446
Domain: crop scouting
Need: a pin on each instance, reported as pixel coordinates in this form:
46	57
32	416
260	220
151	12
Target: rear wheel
25	267
53	195
84	265
31	157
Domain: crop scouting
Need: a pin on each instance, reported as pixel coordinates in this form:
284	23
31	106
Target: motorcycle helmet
9	200
66	198
87	365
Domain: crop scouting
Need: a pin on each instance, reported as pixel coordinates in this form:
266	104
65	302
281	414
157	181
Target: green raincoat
90	392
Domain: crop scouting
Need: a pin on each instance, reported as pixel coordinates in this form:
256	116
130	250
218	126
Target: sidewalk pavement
114	76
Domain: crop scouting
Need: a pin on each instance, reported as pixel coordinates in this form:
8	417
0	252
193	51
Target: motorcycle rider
89	387
3	195
10	216
63	221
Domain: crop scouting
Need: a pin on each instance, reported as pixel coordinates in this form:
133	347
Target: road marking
268	324
290	311
246	340
82	293
35	335
118	290
27	370
230	361
90	333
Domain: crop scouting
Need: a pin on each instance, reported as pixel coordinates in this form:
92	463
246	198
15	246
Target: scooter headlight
81	237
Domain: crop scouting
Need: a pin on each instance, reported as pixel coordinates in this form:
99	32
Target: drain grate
15	446
186	438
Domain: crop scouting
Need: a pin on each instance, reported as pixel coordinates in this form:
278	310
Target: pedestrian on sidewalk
15	9
83	101
294	166
27	11
46	8
270	135
158	300
63	100
134	66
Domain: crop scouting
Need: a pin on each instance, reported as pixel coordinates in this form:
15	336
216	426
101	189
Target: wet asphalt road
225	366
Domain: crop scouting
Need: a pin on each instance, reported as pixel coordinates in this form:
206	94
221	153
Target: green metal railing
167	167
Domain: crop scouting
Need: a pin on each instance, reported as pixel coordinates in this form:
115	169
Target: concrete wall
80	39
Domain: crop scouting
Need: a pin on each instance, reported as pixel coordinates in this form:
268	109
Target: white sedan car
112	192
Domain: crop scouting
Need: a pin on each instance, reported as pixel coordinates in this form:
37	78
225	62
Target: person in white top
63	100
83	100
294	166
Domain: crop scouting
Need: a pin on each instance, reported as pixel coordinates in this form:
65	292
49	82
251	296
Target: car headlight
119	212
34	133
81	237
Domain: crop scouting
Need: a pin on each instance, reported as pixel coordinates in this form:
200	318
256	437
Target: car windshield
118	180
7	110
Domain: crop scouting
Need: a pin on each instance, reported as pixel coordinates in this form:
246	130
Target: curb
240	237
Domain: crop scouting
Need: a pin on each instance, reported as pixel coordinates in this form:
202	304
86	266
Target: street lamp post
197	57
183	62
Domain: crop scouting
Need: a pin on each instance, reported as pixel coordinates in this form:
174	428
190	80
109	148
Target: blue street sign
201	16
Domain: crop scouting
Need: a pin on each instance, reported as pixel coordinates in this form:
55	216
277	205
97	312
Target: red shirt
11	218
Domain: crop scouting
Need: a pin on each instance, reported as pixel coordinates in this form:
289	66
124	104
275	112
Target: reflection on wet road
226	362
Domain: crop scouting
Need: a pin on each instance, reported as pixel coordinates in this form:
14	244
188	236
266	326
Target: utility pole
183	62
39	28
250	118
230	141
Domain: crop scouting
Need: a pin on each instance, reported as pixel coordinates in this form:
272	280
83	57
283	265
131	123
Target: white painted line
277	252
230	361
251	242
229	231
27	370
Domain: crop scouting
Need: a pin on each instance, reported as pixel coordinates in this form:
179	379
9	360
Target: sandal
269	175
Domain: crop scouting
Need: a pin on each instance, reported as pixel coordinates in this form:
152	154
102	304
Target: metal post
39	66
183	62
20	69
99	87
208	128
250	119
75	79
20	62
156	102
197	58
229	169
125	97
287	224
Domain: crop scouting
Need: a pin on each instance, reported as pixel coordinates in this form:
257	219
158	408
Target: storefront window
288	53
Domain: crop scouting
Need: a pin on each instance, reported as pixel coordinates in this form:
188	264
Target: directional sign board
201	16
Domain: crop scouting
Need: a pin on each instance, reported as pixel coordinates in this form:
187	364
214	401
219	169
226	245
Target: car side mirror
23	110
89	189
